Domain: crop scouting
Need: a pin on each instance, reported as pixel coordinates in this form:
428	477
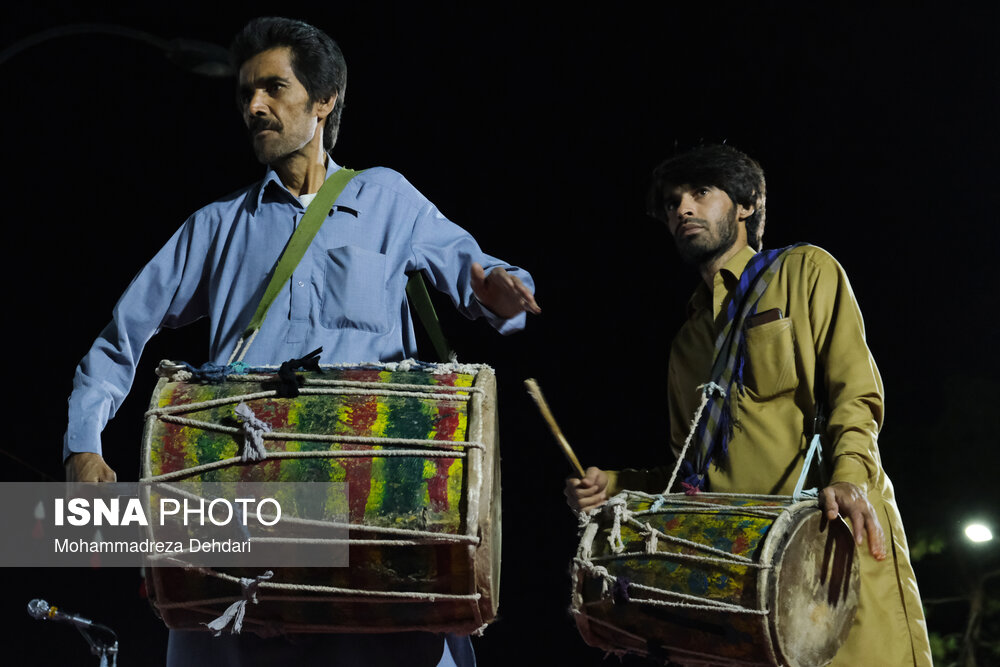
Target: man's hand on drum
588	492
849	501
505	295
88	467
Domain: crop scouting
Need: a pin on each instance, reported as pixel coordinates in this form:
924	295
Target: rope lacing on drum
651	539
617	505
622	589
253	429
597	572
235	612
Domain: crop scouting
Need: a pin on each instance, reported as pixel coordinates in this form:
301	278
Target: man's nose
257	105
685	207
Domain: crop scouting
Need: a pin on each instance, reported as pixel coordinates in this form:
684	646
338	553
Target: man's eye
671	206
702	192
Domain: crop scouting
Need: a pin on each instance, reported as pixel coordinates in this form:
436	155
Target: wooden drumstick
543	407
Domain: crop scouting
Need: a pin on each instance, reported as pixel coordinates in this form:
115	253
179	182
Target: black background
535	129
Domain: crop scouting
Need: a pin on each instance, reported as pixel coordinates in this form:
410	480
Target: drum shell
459	497
808	607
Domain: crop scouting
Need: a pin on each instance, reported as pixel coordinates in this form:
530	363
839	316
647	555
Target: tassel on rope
253	434
693	489
236	611
290	381
725	427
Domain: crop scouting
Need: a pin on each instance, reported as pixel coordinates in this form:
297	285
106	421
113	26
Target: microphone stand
107	652
106	647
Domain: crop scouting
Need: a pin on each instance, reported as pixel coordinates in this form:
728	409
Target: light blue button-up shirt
346	295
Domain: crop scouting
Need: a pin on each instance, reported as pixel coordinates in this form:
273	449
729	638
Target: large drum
416	445
715	579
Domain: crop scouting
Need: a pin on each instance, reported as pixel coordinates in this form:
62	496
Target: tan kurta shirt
817	348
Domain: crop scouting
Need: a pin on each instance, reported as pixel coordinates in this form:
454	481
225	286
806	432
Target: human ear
744	212
325	106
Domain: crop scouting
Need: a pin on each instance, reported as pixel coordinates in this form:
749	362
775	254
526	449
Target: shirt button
301	284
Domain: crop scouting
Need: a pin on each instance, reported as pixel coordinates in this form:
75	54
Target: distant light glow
977	532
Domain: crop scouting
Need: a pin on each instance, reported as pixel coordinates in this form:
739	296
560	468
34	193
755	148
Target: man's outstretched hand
504	294
849	501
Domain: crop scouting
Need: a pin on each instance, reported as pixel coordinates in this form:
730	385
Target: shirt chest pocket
770	361
354	290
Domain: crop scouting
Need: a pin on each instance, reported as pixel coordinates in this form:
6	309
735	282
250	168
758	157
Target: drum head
813	588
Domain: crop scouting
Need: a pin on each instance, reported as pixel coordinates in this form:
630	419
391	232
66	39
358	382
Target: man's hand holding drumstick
587	492
587	489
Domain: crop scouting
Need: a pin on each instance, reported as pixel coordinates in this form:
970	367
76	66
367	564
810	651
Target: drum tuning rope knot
651	539
598	572
234	614
617	505
253	430
708	390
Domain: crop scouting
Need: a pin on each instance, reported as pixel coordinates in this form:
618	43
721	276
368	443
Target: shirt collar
272	186
724	281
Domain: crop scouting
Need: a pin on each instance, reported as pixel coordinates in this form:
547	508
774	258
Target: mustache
701	222
260	124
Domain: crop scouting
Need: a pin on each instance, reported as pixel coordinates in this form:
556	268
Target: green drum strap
420	298
306	231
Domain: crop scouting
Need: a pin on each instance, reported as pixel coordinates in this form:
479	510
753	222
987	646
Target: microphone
40	609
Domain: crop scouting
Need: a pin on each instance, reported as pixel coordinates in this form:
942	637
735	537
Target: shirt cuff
82	435
612	488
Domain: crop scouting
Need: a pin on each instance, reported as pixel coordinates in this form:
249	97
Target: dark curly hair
316	61
719	165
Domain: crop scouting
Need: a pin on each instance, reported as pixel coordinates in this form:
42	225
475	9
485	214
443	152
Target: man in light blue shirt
346	295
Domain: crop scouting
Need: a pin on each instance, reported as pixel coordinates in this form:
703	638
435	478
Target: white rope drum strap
706	393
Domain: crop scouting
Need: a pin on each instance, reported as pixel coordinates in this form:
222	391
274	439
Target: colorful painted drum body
416	447
715	579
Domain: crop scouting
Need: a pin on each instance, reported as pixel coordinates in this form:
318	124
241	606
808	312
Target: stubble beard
278	147
714	241
270	148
